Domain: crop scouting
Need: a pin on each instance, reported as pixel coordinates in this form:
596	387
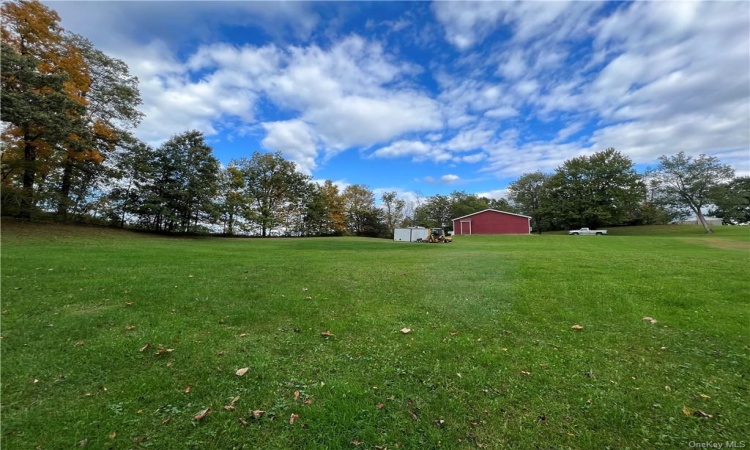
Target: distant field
114	339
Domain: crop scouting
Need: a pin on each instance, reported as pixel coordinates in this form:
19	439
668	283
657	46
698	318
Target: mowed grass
491	360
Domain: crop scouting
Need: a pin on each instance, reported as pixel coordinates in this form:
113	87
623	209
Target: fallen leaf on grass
296	395
242	371
202	414
83	443
308	298
242	421
355	442
687	411
163	350
293	418
453	333
113	435
243	334
699	413
439	422
405	330
704	396
381	406
258	413
412	409
308	401
667	388
525	373
577	327
144	348
187	390
78	344
229	407
130	327
129	303
650	320
326	334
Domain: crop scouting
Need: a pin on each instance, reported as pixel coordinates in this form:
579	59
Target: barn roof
493	210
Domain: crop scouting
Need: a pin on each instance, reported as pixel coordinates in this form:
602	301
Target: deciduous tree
528	195
732	200
688	182
597	190
273	185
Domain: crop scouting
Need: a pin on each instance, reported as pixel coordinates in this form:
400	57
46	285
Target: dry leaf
129	303
355	442
242	371
381	406
308	401
326	334
308	298
243	334
202	414
296	395
258	413
525	373
163	350
78	344
577	327
687	411
144	348
439	422
187	390
405	330
293	418
453	333
229	407
242	421
667	388
704	396
699	413
130	327
113	435
83	443
650	320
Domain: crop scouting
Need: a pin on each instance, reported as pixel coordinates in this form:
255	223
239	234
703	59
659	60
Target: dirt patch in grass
726	244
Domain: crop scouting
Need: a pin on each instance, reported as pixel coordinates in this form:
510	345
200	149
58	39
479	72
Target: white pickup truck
587	232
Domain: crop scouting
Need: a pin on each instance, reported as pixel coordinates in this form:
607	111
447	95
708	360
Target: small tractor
436	236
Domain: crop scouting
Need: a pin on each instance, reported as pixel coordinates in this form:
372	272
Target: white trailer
409	234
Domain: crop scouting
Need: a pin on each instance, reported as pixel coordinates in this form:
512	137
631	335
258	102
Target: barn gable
492	221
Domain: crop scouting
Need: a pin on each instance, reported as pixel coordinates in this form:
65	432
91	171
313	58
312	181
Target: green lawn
113	339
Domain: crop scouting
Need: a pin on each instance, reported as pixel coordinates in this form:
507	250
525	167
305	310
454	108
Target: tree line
605	190
68	112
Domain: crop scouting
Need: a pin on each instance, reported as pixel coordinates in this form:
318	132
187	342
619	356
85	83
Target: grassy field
112	339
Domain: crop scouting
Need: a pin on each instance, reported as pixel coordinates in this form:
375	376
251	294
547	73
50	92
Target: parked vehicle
587	232
436	236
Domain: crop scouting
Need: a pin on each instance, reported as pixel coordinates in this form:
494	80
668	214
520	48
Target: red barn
491	221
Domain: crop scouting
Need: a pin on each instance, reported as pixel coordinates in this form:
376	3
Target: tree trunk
29	175
703	221
64	203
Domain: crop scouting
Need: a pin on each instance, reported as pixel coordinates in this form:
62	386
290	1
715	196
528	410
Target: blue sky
426	98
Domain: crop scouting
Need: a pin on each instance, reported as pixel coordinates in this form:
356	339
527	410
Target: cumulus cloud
565	79
295	140
450	179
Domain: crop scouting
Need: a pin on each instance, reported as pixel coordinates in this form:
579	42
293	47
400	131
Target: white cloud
295	139
466	23
495	194
398	149
450	179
